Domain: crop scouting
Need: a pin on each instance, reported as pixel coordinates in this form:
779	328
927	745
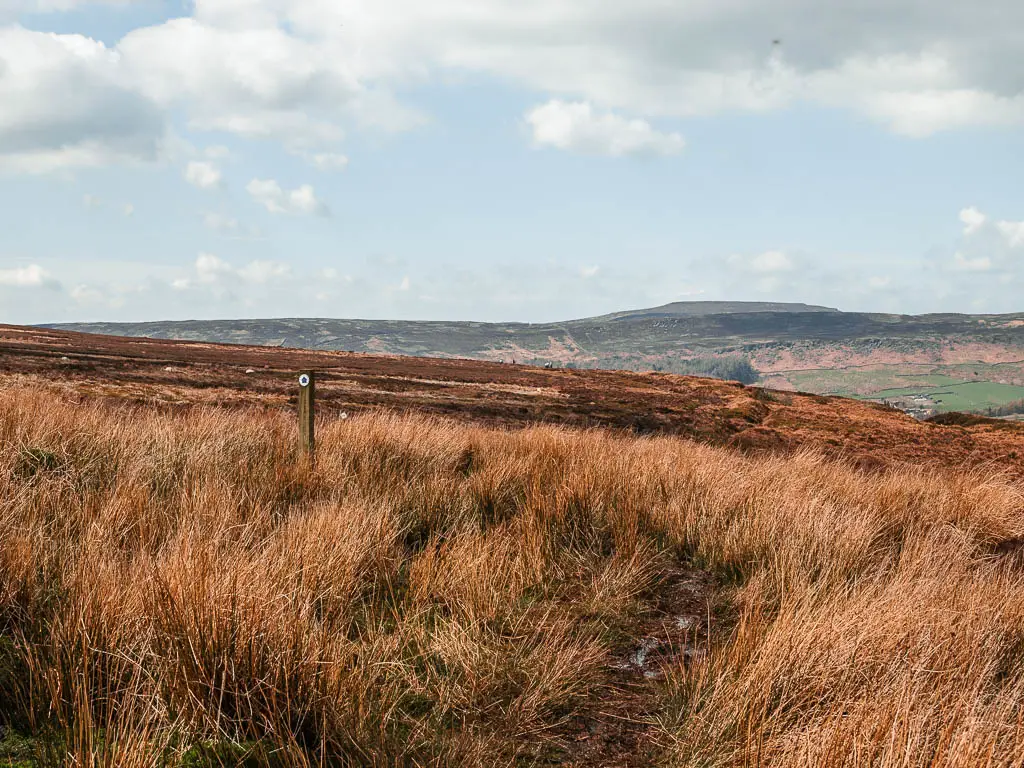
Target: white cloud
917	68
963	263
246	75
972	219
211	271
912	105
987	249
770	262
302	200
210	268
302	71
202	175
32	276
1009	232
1012	231
578	128
588	272
69	104
128	209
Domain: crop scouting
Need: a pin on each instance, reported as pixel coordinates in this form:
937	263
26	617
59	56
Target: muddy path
682	619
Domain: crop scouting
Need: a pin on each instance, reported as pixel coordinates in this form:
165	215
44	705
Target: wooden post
307	413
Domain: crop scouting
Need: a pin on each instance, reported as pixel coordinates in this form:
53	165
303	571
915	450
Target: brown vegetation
179	588
172	375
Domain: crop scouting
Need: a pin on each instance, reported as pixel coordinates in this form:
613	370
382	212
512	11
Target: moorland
922	363
492	565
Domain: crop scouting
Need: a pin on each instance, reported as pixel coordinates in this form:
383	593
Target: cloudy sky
507	159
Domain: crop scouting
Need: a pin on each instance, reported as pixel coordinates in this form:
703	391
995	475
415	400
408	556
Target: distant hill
923	363
691	308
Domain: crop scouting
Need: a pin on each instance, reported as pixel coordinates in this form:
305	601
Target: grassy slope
441	594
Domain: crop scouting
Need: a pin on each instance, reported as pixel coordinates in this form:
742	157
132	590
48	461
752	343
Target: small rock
250	370
344	416
169	369
65	359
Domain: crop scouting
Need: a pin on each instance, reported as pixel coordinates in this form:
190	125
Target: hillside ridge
923	364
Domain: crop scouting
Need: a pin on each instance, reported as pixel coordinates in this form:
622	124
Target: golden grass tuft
174	586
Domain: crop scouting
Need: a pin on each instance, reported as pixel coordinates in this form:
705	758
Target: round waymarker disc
304	380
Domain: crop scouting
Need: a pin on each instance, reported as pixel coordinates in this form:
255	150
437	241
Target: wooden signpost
307	413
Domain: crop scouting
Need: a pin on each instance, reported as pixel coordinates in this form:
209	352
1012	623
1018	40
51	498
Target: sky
507	160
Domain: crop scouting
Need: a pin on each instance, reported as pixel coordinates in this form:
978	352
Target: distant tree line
728	367
1006	409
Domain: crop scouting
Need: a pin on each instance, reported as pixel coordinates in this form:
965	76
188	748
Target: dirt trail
619	733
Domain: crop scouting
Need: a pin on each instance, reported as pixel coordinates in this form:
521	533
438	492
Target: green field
959	387
865	383
1004	373
965	396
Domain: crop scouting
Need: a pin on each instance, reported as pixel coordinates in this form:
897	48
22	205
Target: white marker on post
307	413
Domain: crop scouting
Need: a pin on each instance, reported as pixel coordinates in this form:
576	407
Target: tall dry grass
184	589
